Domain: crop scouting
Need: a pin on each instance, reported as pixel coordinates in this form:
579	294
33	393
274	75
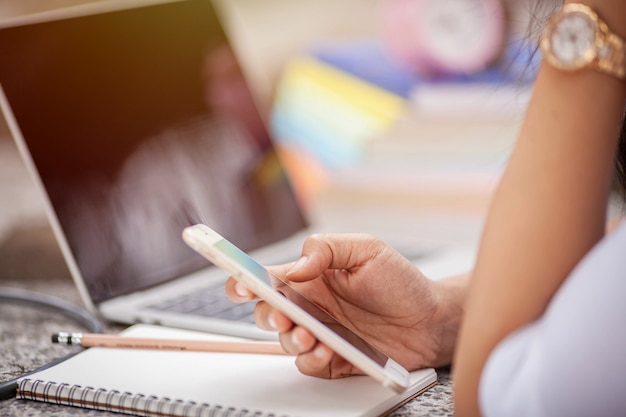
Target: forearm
548	211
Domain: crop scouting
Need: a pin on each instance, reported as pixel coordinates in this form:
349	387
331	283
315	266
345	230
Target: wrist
586	35
450	295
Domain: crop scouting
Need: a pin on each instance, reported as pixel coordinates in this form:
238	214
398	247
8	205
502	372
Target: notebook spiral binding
125	402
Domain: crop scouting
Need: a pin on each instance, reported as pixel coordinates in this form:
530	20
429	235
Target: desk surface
31	259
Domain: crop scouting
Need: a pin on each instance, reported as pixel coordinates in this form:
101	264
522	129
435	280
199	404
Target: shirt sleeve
572	360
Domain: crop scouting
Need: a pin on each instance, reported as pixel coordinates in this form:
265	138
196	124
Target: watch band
607	53
612	55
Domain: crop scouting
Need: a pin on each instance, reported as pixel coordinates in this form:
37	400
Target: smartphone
296	306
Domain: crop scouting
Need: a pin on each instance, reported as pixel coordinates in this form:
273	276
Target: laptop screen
140	122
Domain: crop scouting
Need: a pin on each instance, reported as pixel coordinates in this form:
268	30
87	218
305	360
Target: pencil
115	341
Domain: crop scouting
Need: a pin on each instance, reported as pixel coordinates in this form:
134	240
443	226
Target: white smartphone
296	306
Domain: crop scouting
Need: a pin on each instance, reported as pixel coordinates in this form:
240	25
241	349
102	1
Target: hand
372	289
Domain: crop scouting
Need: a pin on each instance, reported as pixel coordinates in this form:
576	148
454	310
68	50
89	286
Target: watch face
572	40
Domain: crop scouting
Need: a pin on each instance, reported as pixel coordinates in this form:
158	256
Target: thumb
289	271
322	252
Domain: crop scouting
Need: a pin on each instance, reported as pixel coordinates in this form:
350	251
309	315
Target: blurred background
398	114
353	106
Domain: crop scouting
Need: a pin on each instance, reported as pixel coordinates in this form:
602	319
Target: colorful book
330	104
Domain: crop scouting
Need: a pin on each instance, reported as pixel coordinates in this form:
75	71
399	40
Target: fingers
268	318
238	292
316	362
297	340
313	358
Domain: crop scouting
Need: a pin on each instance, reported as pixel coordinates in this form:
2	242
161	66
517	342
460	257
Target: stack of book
348	118
330	103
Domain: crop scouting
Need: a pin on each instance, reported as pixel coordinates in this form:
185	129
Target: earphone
31	298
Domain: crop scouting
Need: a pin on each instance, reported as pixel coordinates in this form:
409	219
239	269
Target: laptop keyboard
208	302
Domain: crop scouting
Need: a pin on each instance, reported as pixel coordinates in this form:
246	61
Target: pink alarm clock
444	36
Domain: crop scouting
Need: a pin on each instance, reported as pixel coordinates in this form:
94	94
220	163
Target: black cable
8	389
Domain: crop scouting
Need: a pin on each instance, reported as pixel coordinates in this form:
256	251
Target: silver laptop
136	121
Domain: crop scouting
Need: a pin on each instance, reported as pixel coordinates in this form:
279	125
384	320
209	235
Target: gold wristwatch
576	38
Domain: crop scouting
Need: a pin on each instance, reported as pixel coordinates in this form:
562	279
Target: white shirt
572	360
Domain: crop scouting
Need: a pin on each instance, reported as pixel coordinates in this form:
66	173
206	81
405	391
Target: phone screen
300	300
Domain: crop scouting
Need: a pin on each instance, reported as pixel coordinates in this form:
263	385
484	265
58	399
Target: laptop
135	120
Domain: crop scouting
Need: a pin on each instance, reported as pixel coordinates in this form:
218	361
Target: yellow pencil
115	341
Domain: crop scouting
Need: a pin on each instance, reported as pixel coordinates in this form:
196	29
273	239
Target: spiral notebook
168	383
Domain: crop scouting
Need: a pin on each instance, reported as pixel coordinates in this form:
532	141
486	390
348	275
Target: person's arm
548	211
